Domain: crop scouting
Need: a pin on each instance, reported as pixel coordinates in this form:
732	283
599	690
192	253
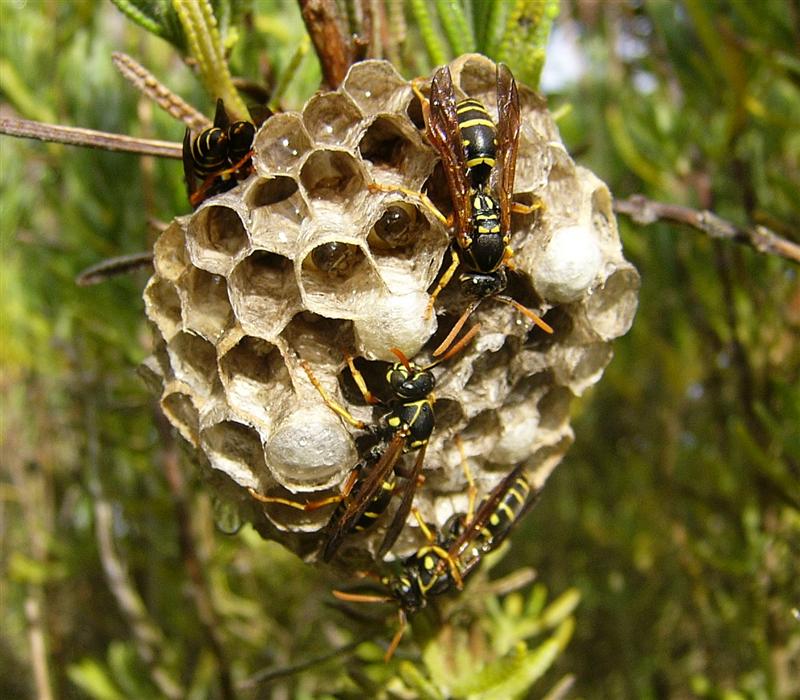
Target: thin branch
113	267
89	138
271	674
201	596
645	211
37	639
152	88
30	486
324	26
148	638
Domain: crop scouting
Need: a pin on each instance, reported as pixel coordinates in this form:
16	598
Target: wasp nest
303	261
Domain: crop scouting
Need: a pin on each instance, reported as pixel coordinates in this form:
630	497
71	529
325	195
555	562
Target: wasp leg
352	477
426	530
444	281
424	102
330	401
524	310
358	378
420	197
307	506
508	253
401	629
520	208
472	490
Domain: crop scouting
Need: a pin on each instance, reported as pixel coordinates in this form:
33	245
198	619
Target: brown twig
30	487
146	83
75	136
645	211
271	674
113	267
148	637
206	613
37	639
324	26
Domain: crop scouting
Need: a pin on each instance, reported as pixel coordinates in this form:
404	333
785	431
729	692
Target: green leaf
430	37
25	569
205	46
561	607
525	37
510	675
455	26
414	679
157	17
94	680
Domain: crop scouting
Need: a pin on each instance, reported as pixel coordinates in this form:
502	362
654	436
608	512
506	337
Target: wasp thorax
305	262
240	135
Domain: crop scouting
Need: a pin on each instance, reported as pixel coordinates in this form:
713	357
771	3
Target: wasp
441	565
406	427
479	162
218	157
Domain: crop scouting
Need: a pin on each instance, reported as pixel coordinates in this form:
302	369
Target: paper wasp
479	163
218	157
441	565
406	427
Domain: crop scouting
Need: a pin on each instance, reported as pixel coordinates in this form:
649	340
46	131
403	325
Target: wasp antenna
448	341
402	357
360	597
526	311
401	628
459	346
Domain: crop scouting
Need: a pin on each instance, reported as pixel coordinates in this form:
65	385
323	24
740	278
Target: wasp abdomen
478	138
505	513
377	506
209	152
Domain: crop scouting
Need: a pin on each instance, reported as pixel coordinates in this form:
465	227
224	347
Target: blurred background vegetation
675	516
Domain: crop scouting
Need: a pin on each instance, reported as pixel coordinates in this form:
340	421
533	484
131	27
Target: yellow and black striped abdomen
209	152
478	138
377	506
506	513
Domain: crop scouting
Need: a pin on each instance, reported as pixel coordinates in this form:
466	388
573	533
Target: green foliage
483	647
675	518
682	488
513	31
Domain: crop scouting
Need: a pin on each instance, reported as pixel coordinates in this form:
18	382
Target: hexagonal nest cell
262	295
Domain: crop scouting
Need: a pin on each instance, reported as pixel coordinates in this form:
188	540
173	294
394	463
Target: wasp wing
508	121
221	118
188	163
484	512
401	514
445	135
361	496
